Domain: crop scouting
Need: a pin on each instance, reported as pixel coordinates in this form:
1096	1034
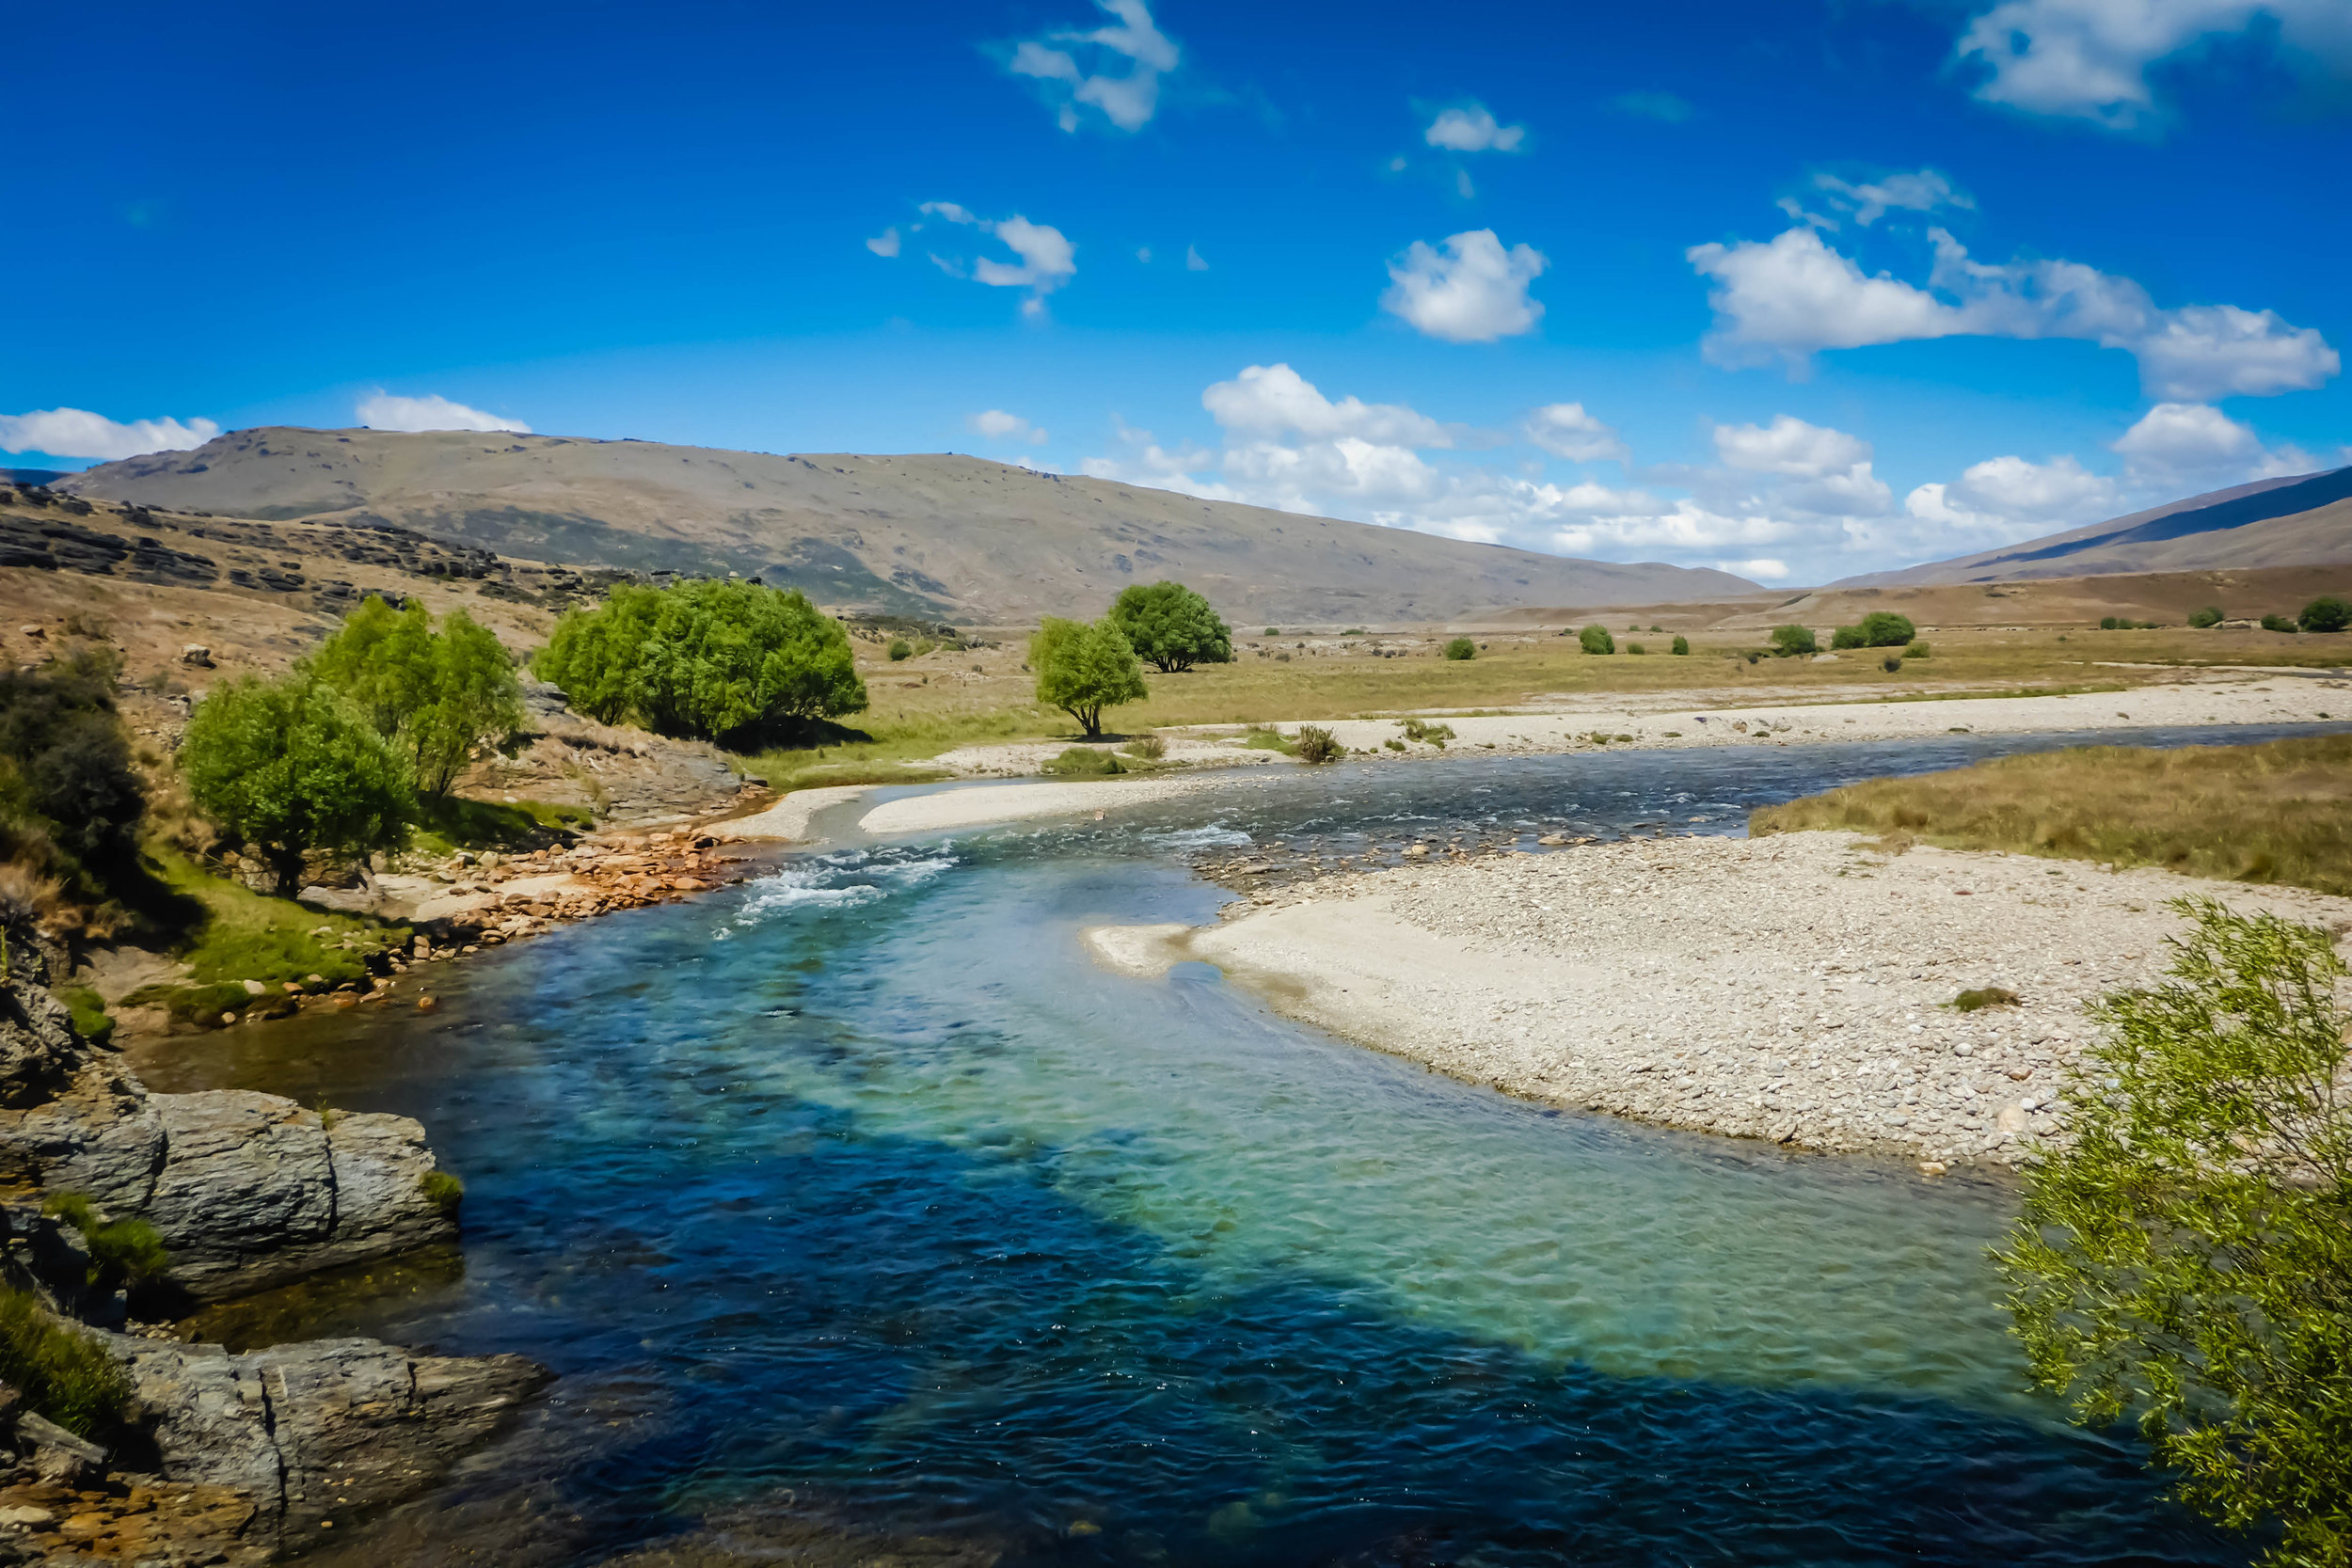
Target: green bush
1461	647
1083	668
1172	627
1084	762
1636	648
1274	631
1681	645
1150	748
442	1190
291	766
70	801
1421	729
2209	616
1595	640
64	1374
1884	628
1891	663
1314	744
900	650
714	659
435	696
2110	623
1788	641
2184	1258
2278	622
2326	614
1917	650
1393	744
1848	637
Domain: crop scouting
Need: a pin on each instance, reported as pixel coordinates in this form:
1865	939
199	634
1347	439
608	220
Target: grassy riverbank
2275	813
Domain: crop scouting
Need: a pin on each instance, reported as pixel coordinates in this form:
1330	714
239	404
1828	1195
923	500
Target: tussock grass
2280	812
63	1373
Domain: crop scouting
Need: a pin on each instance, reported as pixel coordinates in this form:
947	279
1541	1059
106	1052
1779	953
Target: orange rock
427	1004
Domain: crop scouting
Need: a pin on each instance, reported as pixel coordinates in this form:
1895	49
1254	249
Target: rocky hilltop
926	534
213	1457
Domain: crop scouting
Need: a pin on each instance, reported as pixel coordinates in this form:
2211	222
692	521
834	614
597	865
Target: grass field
2280	812
926	705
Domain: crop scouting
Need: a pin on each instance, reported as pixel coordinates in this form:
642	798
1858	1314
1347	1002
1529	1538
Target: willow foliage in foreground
2189	1261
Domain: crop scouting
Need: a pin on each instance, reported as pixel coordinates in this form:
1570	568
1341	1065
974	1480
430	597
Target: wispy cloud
382	410
1080	70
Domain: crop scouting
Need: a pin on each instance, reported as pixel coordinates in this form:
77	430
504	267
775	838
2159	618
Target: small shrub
1420	729
1788	641
1917	650
2326	614
66	1375
1657	628
900	650
1595	640
1461	647
1274	631
1352	632
1314	744
1393	744
2276	623
1636	648
121	1252
441	1190
1983	997
1847	637
2209	616
2110	623
1148	747
1891	663
90	1018
1080	762
1681	645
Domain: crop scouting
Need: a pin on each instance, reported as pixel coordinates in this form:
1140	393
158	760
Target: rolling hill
939	535
2301	521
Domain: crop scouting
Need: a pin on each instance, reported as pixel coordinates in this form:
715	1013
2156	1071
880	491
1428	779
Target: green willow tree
291	766
1083	668
710	659
2188	1261
1172	627
435	696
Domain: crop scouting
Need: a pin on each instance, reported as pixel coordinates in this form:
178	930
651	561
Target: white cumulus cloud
885	242
2089	59
1473	130
997	425
1565	430
382	410
2002	499
1114	70
1275	399
1471	290
1793	296
1047	260
79	432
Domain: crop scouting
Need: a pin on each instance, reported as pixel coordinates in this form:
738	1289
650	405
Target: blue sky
1799	289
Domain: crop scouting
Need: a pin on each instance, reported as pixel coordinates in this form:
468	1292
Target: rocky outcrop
247	1190
318	1431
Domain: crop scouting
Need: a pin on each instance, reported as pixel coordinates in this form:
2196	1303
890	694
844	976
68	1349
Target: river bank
1797	989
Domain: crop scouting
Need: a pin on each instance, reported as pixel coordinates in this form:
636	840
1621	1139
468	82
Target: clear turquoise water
859	1190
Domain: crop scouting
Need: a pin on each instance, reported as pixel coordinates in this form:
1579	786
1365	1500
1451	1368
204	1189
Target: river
854	1200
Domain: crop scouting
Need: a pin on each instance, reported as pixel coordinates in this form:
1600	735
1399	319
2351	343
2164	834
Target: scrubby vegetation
70	798
2209	616
1681	645
1083	668
1172	627
1314	744
121	1251
442	1190
1881	628
2325	613
1595	640
2280	812
1917	650
2278	622
64	1373
1421	729
712	659
1792	640
1084	762
433	694
1980	997
1149	748
1460	648
2185	1261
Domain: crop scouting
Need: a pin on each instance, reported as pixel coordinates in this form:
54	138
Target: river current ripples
856	1208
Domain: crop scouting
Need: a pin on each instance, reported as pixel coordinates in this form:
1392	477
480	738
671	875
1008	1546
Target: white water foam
835	881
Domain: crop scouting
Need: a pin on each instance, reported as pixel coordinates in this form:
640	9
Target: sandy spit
1792	988
788	818
1017	803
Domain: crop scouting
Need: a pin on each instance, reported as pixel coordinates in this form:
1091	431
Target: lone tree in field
1595	639
1792	640
1172	627
291	766
1083	668
712	659
2326	614
2189	1261
435	696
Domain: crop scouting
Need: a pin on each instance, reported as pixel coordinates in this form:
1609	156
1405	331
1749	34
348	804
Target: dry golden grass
2280	812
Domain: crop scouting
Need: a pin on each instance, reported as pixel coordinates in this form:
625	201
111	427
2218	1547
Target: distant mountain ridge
2303	521
931	534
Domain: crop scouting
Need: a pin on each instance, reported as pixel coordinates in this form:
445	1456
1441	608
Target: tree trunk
287	865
